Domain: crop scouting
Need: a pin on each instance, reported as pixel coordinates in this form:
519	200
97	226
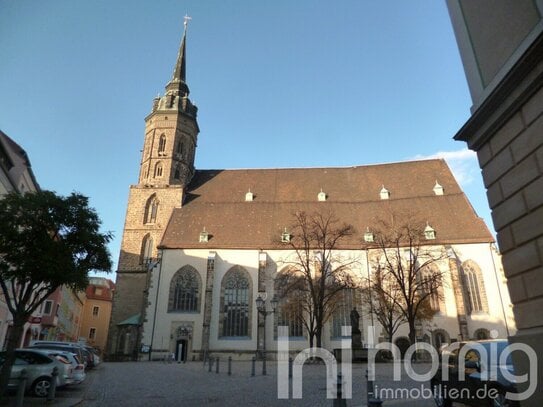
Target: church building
200	248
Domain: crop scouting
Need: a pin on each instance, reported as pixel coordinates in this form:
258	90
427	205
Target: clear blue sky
278	83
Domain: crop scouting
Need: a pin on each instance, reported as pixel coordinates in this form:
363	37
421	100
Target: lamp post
261	307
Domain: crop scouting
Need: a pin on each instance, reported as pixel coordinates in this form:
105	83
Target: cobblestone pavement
190	384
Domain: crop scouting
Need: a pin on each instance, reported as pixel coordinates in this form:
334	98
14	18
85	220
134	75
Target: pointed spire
178	82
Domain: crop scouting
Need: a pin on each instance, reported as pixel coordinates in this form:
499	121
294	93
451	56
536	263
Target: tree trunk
13	341
413	336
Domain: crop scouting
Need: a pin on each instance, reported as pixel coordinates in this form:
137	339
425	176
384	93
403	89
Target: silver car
76	368
39	369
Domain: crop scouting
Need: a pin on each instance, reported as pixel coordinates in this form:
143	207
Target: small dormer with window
384	193
321	196
204	236
368	236
249	196
429	232
285	236
438	189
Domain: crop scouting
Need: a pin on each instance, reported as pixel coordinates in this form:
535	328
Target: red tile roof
216	200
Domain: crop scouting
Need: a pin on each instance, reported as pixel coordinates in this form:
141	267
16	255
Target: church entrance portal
181	350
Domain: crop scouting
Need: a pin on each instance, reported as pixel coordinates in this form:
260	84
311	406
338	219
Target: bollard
372	400
217	366
53	386
21	389
339	401
290	367
264	364
229	365
210	364
253	366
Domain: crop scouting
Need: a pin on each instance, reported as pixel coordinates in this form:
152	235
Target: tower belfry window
162	145
177	173
158	170
151	210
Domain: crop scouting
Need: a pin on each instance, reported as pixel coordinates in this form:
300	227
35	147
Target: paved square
190	384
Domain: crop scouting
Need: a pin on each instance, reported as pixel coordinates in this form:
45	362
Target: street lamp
261	307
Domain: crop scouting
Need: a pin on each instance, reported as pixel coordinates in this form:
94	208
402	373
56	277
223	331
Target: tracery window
289	310
184	290
162	145
474	287
151	209
158	170
235	303
348	300
146	253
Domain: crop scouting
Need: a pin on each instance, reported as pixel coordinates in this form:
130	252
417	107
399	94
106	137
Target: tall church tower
166	168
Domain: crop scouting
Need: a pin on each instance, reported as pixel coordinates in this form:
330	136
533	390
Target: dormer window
249	196
438	189
204	236
429	232
285	236
384	194
321	196
368	236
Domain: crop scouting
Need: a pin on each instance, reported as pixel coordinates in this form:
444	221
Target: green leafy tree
46	241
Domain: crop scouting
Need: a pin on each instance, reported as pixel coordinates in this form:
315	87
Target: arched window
179	149
236	298
177	173
158	170
431	285
347	301
474	287
146	253
289	309
151	210
162	145
184	290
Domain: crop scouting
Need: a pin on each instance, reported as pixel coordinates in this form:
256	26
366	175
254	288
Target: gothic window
179	149
347	301
162	145
184	290
289	310
151	210
177	173
146	249
430	283
474	287
235	289
158	170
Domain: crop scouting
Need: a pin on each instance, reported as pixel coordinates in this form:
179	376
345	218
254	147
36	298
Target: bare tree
380	296
317	272
405	254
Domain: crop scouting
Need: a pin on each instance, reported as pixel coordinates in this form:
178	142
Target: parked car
95	355
39	369
77	374
484	383
63	346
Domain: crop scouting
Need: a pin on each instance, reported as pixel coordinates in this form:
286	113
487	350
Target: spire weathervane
186	20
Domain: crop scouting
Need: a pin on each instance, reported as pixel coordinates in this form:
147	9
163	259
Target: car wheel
500	400
40	387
